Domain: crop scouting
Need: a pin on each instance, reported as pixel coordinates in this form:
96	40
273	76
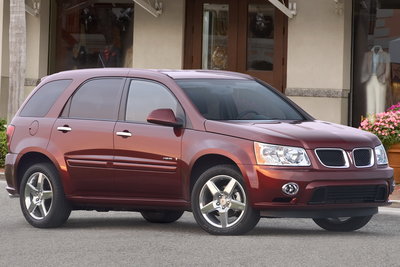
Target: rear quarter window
43	99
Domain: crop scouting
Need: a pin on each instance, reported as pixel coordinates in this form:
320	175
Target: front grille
334	158
363	157
349	194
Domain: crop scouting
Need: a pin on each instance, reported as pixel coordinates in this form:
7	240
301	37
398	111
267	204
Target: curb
391	211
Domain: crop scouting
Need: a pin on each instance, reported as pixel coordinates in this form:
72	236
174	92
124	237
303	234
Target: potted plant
386	126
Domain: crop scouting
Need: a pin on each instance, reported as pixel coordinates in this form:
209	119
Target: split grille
349	194
338	158
363	157
335	158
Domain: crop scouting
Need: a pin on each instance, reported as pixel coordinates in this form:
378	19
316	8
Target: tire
220	203
343	224
42	197
164	216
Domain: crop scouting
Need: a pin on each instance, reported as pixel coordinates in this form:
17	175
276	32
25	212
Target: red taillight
10	133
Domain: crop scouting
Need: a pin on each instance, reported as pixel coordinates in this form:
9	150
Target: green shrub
3	142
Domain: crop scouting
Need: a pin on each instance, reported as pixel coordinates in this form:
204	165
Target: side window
146	96
97	99
43	99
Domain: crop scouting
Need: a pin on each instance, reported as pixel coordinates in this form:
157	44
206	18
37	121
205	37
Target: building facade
338	59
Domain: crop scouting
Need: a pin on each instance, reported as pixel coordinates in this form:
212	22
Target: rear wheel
220	203
346	224
164	216
42	198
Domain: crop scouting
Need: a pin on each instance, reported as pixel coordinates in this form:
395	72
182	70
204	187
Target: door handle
64	128
124	134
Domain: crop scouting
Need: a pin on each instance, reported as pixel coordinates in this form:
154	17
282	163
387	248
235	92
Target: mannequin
109	57
376	73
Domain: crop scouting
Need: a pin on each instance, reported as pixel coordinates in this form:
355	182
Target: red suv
223	145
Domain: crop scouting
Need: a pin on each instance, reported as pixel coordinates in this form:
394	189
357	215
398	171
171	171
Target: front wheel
220	203
347	224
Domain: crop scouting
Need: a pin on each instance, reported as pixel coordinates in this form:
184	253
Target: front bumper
266	195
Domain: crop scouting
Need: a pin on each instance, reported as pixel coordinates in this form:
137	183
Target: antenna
102	62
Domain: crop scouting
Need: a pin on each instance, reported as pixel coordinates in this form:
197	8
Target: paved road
125	239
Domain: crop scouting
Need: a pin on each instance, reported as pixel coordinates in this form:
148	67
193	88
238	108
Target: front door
247	36
147	156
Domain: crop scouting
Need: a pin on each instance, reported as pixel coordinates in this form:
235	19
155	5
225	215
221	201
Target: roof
174	74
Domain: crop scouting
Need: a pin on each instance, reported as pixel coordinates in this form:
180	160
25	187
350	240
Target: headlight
380	153
280	155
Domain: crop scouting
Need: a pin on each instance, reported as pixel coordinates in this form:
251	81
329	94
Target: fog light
290	189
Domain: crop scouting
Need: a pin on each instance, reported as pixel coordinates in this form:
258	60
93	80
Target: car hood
307	134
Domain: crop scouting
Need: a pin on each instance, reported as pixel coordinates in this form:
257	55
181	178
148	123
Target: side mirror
164	116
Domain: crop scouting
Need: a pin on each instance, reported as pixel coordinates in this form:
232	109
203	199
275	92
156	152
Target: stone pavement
395	197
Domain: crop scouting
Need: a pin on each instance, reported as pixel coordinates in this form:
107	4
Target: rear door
147	156
83	136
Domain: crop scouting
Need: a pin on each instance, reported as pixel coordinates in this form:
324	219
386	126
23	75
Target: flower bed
385	125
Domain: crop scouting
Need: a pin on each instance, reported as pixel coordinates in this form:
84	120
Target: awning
279	5
155	11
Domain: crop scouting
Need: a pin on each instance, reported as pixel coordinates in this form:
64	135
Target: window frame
65	112
124	102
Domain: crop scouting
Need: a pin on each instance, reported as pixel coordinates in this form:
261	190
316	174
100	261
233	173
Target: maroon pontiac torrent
223	145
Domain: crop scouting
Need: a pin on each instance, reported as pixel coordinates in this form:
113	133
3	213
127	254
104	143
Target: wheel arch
207	161
28	159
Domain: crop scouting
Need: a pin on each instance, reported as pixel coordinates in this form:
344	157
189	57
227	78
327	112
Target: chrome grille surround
371	160
345	157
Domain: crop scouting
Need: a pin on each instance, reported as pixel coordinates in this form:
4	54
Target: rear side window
43	99
97	99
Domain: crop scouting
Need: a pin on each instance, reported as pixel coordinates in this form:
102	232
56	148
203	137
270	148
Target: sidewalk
394	197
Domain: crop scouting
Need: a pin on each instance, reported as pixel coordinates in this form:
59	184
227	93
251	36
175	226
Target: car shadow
191	227
276	231
131	224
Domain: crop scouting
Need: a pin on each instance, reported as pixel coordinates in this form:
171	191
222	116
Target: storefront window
376	82
93	34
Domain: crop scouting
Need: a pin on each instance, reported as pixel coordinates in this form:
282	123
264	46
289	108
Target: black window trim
67	105
124	101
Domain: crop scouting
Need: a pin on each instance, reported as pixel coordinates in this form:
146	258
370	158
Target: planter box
394	161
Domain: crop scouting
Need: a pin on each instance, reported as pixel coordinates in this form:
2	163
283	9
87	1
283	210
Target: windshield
237	100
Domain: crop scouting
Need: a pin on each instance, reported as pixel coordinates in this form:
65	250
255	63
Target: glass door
245	36
261	45
215	36
211	35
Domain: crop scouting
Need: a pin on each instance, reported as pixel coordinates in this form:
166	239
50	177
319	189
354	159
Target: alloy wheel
38	195
222	201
